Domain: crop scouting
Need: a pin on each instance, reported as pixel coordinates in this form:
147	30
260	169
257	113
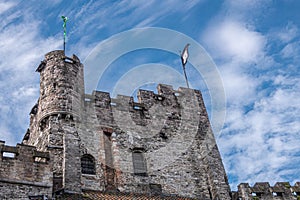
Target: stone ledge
25	183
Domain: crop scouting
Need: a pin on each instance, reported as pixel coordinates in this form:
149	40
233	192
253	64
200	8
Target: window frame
88	164
139	162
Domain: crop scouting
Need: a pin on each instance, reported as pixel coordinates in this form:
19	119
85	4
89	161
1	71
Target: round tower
61	85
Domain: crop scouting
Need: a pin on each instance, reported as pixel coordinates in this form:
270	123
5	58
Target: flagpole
186	80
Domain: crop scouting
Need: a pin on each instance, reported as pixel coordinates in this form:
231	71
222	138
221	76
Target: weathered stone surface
171	128
28	172
263	191
168	132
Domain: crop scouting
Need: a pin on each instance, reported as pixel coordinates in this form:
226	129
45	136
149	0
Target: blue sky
254	45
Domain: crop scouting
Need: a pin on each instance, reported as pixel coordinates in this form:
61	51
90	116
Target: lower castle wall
26	173
21	190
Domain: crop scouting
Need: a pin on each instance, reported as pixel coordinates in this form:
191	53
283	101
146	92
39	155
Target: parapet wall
25	171
263	191
170	129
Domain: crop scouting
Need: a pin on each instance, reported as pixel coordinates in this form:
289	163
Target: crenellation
24	173
164	89
145	96
23	152
264	191
296	188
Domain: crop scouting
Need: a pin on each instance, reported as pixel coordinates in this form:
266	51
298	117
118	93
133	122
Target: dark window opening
38	197
109	164
139	163
108	149
54	86
277	194
155	189
57	183
256	194
210	195
88	164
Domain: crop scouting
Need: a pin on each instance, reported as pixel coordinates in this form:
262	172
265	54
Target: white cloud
266	138
261	133
25	92
288	33
4	6
240	88
291	50
21	49
233	40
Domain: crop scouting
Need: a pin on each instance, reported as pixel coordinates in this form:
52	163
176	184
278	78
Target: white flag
185	55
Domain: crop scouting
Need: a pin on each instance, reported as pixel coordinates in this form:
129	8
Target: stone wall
263	191
172	130
24	172
57	111
61	85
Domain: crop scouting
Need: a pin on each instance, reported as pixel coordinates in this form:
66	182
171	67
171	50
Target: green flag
65	19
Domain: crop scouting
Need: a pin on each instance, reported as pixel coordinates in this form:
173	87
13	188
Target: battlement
55	56
24	172
263	190
146	98
23	152
151	107
24	163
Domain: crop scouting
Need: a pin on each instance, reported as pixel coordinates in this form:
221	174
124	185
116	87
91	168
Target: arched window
88	164
139	163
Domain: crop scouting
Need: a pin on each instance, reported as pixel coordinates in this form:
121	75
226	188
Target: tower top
61	85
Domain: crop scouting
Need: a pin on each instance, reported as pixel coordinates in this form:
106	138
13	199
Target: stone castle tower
161	145
91	146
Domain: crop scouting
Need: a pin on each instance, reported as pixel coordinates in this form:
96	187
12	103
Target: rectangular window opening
278	194
40	160
69	60
137	108
155	189
177	94
8	155
139	163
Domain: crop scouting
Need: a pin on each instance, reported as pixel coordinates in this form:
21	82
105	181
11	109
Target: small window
40	160
155	189
137	108
8	155
139	163
88	164
277	194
